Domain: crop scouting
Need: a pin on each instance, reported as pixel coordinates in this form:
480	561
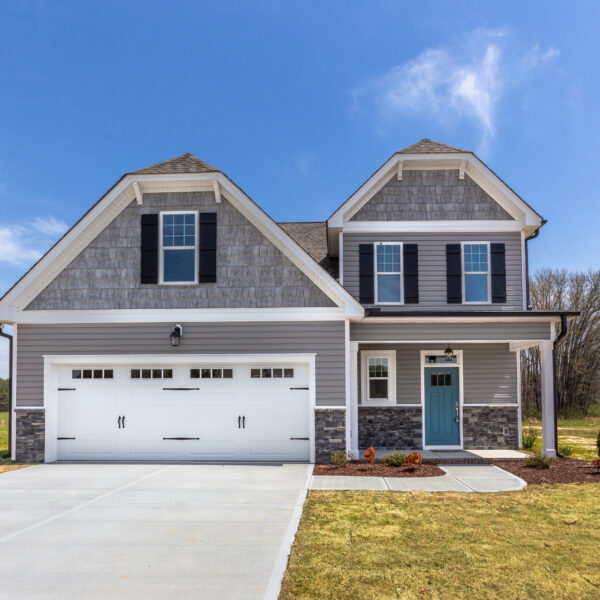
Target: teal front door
442	411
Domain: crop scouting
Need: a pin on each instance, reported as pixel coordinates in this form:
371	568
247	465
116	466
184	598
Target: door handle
457	415
244	421
119	420
123	421
239	422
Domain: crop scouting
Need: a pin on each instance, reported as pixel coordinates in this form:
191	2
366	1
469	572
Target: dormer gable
430	186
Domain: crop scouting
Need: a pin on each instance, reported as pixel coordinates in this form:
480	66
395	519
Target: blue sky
297	102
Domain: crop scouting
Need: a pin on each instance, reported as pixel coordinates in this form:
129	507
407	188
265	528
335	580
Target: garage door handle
299	439
180	438
298	388
64	438
180	389
119	421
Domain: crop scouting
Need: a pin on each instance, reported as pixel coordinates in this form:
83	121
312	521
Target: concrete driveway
148	531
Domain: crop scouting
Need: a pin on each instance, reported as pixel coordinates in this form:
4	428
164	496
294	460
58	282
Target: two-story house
177	321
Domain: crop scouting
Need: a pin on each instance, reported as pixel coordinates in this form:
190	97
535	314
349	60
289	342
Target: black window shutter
453	273
498	265
207	248
366	274
411	273
149	249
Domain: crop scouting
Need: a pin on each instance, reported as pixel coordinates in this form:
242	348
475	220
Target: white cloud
49	226
22	244
466	79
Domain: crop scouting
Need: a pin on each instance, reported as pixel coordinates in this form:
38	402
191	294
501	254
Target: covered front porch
448	386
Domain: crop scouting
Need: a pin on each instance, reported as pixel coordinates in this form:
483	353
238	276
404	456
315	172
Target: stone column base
330	432
30	438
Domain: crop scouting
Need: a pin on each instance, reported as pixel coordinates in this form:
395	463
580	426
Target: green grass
3	433
579	432
539	543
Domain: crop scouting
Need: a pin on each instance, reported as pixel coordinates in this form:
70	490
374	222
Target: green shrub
395	459
538	461
565	450
530	435
340	458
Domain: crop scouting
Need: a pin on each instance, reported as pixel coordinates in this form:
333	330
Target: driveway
148	531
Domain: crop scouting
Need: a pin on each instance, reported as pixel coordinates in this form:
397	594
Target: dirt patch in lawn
379	469
562	470
6	468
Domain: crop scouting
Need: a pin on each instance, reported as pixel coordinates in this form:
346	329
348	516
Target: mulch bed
562	470
379	469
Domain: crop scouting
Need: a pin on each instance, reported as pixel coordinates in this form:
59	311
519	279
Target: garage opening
194	411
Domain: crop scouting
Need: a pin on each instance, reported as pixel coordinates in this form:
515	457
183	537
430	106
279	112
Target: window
178	253
388	270
271	373
208	373
151	373
476	272
92	373
378	377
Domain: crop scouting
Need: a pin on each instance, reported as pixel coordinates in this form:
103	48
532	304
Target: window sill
372	403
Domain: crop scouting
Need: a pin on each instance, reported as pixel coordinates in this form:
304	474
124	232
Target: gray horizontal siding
432	266
325	338
251	271
425	195
489	371
392	332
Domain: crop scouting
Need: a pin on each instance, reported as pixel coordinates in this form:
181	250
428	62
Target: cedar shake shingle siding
431	195
251	271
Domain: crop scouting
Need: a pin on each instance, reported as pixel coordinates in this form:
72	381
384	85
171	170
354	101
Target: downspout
10	380
564	327
531	237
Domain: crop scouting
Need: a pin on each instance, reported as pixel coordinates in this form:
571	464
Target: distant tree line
578	355
3	395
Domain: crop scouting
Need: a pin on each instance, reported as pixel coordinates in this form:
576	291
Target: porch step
472	460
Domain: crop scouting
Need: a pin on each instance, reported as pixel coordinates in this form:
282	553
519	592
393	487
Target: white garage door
251	412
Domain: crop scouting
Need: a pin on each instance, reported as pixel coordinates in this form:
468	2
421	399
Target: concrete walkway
457	478
146	531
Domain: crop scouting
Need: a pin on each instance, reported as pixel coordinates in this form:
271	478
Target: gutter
531	237
10	380
564	327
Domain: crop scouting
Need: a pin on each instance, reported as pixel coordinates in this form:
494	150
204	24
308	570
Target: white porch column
547	375
354	398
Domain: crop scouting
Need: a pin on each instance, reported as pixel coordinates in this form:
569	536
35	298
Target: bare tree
578	355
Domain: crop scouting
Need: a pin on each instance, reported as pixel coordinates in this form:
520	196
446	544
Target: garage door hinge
66	389
298	388
64	438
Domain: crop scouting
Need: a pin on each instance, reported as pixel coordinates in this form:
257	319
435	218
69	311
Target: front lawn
3	433
578	432
539	543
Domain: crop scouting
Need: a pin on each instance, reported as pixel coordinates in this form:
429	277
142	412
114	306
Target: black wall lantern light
176	335
449	354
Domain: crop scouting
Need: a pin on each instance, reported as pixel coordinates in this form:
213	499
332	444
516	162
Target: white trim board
123	193
188	315
51	380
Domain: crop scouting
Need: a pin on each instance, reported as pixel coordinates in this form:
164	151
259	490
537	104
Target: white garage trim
51	380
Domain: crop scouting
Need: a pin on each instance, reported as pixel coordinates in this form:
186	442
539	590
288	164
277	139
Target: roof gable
429	155
131	187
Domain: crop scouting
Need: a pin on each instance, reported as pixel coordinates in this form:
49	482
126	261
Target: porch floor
458	457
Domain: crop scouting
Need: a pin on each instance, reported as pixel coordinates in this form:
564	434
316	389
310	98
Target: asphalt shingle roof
427	146
311	236
186	163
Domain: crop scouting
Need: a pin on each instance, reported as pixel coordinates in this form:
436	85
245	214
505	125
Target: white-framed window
476	272
378	376
388	273
178	256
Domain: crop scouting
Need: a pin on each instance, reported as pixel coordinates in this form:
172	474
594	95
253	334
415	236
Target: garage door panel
238	418
87	449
